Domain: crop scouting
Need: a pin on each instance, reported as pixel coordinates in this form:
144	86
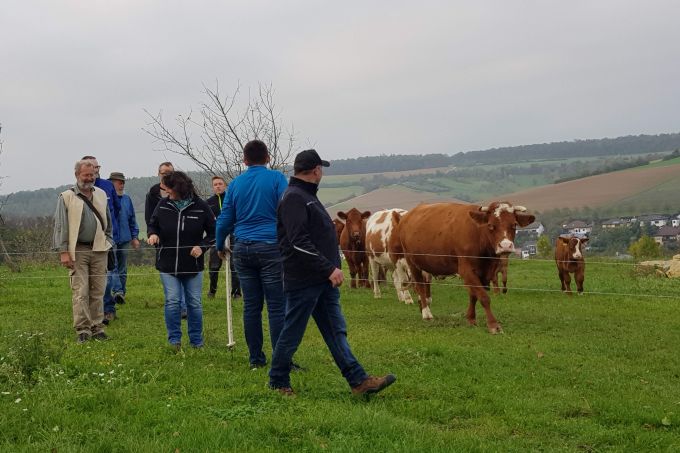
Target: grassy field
591	373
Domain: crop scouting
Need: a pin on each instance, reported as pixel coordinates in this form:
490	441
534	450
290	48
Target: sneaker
101	336
119	298
184	314
285	391
82	338
108	317
257	366
211	295
374	384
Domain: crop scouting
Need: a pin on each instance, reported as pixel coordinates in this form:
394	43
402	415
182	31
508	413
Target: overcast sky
353	78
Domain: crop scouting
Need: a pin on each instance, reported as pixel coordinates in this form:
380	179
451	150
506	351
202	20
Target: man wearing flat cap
128	231
311	277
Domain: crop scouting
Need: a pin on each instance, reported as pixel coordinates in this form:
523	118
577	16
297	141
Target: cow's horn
484	208
520	208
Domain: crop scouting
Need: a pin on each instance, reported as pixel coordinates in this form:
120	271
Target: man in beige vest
83	243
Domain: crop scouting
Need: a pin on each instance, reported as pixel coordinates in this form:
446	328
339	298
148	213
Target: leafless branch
224	129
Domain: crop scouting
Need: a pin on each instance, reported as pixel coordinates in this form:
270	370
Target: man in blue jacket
312	275
249	211
128	232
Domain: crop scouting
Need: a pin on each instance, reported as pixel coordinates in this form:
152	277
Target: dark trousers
214	266
322	302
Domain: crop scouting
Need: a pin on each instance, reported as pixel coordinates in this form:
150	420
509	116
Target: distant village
664	229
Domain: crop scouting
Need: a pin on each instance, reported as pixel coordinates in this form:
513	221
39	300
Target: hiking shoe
211	295
373	384
101	336
285	391
184	314
82	338
119	298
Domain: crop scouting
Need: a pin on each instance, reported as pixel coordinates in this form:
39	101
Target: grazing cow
339	226
379	236
501	267
569	259
450	238
353	245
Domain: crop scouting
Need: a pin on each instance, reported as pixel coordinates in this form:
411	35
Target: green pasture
332	195
583	373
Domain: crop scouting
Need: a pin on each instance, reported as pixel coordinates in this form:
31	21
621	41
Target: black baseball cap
307	160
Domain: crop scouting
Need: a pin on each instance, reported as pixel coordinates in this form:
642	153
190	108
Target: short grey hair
83	163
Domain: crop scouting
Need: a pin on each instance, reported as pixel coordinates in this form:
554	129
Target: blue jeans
259	269
323	303
112	281
118	285
190	287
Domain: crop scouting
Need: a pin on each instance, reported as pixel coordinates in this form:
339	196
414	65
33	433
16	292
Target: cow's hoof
377	296
408	302
580	293
505	290
427	314
472	322
495	330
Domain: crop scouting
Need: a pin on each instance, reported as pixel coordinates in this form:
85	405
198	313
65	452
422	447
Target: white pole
230	324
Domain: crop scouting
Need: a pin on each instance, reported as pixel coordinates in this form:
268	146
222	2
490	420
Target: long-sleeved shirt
249	208
114	202
127	221
88	225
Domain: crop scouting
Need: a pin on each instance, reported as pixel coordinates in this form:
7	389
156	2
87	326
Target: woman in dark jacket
182	227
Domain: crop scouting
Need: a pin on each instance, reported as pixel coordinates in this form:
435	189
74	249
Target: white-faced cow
450	238
569	259
379	242
353	245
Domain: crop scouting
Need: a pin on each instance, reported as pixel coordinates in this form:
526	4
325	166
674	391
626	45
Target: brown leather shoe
374	384
285	391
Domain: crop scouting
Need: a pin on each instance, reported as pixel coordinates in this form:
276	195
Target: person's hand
153	239
135	244
65	260
224	254
336	277
196	251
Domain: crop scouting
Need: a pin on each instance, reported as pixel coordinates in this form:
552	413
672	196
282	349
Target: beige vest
74	209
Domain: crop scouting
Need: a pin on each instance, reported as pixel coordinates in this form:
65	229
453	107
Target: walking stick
230	324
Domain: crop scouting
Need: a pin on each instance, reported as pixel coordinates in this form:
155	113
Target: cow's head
501	219
355	224
576	245
339	226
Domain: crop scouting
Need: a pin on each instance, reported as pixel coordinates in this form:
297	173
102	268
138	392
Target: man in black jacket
219	185
311	277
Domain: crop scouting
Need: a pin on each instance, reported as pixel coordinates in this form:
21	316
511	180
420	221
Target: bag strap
93	209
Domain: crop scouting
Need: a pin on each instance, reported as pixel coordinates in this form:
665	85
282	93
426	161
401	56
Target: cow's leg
366	283
476	290
376	284
579	276
427	278
567	282
423	292
471	314
504	273
494	281
561	275
400	277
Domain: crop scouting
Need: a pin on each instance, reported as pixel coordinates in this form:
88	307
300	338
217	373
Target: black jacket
151	201
179	231
307	237
214	203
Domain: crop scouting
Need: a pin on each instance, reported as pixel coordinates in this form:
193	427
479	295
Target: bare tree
224	129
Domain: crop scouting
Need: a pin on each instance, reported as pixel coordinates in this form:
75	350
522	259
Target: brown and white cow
451	238
570	260
379	242
353	245
339	226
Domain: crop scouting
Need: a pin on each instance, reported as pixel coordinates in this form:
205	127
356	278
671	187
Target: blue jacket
127	221
249	208
114	203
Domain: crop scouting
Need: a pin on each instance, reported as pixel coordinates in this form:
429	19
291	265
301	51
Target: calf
353	245
570	260
379	243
